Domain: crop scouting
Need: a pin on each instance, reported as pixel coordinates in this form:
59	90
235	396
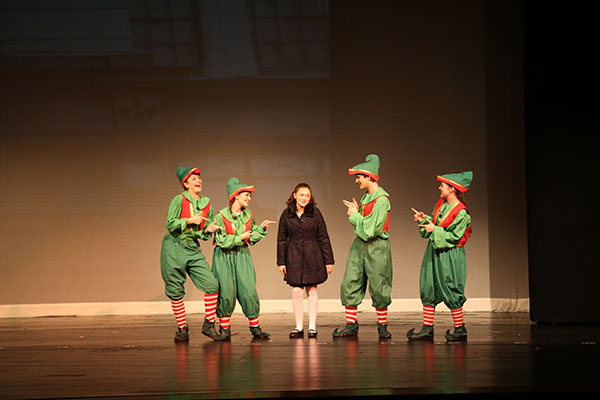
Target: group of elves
305	257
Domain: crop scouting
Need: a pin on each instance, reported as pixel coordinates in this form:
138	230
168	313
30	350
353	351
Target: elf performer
189	219
370	257
444	266
232	263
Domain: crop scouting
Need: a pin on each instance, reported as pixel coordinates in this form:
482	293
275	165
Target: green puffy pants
181	257
443	277
368	261
237	280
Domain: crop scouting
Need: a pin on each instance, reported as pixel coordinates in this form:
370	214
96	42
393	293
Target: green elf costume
232	263
370	257
181	255
444	266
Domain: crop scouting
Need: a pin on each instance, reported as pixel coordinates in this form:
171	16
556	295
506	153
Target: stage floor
129	357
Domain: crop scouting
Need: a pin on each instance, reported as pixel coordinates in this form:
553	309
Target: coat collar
309	210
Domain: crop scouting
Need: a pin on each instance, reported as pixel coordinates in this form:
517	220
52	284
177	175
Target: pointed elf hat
184	173
234	187
460	180
369	168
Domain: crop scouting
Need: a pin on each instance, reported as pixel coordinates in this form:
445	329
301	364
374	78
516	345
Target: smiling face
362	181
244	199
446	190
194	184
302	196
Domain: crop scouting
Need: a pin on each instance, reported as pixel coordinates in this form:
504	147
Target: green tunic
370	257
180	252
232	264
444	266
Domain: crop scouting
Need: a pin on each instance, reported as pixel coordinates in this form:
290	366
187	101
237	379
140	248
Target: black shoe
258	333
225	333
312	333
182	334
348	330
426	333
296	334
459	335
383	332
208	329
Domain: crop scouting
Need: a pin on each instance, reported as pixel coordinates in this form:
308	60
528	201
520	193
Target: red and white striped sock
428	314
254	322
224	322
382	315
457	316
179	311
351	312
210	306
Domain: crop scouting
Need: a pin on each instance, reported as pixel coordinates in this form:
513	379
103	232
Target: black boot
182	334
258	333
426	333
351	329
383	332
459	335
208	329
225	333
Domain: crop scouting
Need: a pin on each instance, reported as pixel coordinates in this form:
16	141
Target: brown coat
303	246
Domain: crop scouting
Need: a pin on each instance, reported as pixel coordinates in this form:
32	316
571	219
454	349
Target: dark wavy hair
461	197
298	187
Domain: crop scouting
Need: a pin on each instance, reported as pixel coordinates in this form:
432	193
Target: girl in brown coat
304	255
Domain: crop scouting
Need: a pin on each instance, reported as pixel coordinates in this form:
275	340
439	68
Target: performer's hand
352	206
329	268
265	224
419	215
246	235
212	227
428	226
196	219
282	269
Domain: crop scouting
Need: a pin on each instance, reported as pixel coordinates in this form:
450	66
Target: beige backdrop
88	169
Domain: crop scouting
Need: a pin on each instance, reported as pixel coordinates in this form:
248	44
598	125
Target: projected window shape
291	37
34	29
169	30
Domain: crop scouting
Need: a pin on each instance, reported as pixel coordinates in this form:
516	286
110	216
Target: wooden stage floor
134	357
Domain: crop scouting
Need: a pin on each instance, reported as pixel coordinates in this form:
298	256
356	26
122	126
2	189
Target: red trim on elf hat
352	171
452	183
192	172
240	190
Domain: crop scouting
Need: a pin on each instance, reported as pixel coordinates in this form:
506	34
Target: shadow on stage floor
134	357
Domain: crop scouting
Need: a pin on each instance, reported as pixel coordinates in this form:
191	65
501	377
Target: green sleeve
174	223
259	233
371	226
422	231
445	238
201	234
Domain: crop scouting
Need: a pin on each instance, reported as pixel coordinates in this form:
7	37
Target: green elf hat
370	167
184	173
460	181
234	187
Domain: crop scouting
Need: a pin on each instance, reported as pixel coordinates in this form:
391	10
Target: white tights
312	298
